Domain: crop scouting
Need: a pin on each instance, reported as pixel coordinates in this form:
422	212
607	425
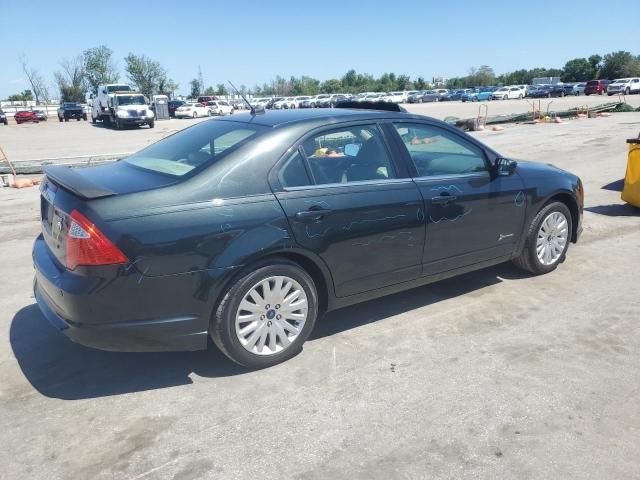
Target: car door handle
313	215
445	198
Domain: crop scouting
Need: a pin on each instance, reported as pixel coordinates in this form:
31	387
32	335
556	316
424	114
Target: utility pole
201	80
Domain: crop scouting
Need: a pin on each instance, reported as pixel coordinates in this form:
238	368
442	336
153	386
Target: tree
167	86
25	96
404	82
420	83
209	91
38	85
99	67
331	86
71	79
578	70
221	89
146	74
196	88
619	65
596	62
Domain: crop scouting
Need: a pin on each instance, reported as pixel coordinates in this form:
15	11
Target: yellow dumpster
631	190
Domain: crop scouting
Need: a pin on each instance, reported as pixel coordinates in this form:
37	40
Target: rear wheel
195	114
547	239
84	117
266	315
520	97
66	119
60	119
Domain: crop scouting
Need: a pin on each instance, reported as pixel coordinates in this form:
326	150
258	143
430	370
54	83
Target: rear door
348	202
471	215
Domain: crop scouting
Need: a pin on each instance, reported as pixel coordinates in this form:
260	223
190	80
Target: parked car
24	116
219	107
478	95
455	94
309	102
624	85
547	91
196	236
441	92
596	87
41	114
578	88
299	100
326	100
568	88
429	96
506	93
339	98
173	105
192	110
284	103
415	97
203	99
69	110
3	117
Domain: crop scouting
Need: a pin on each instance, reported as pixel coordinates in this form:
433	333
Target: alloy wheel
271	315
552	238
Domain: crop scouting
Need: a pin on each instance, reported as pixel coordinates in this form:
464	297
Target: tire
93	119
520	97
474	99
195	114
84	117
117	124
627	91
66	119
529	259
60	119
224	325
152	124
506	97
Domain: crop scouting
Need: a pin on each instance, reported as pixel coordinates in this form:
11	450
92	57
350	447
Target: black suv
71	110
3	117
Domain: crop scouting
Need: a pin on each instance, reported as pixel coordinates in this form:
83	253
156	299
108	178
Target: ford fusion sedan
246	229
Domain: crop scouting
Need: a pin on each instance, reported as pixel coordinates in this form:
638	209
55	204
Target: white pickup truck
624	85
119	105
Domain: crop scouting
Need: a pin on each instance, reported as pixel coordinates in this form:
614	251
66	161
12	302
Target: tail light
87	245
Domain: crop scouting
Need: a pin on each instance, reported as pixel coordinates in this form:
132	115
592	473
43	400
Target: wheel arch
572	204
314	267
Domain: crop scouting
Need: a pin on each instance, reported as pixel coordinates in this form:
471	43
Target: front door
344	200
471	215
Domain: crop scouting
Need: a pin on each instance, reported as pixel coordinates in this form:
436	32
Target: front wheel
60	119
266	315
195	114
152	124
547	240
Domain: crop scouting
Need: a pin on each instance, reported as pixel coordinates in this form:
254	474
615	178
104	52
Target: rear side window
201	145
435	151
349	154
293	173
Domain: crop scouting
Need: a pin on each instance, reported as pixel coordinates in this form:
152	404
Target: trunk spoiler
76	183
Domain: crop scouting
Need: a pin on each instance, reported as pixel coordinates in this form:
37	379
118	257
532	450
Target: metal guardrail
34	166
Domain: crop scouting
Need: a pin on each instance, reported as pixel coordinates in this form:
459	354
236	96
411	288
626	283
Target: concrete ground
491	375
53	139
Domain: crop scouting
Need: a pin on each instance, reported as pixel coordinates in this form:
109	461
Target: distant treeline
96	66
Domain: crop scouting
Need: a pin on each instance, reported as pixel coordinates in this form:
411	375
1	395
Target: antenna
251	107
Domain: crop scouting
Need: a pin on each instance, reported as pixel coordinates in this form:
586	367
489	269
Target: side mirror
505	167
351	149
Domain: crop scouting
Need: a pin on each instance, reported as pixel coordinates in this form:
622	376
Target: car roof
278	118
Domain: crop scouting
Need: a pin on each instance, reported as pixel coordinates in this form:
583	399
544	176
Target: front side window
435	151
349	154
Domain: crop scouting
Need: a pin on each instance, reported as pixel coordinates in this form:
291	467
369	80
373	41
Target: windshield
118	88
131	100
71	105
200	145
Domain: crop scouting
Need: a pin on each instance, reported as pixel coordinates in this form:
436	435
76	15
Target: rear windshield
593	82
198	146
118	88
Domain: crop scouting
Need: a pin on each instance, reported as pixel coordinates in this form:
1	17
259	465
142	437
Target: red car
26	116
598	87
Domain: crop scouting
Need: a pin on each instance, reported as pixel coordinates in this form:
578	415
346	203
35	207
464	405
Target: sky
251	42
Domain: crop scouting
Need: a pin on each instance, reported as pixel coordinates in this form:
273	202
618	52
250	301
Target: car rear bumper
112	314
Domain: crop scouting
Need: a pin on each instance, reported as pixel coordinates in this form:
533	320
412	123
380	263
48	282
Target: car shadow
616	186
615	210
58	368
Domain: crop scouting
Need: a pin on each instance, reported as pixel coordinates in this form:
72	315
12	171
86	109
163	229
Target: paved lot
492	375
54	139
